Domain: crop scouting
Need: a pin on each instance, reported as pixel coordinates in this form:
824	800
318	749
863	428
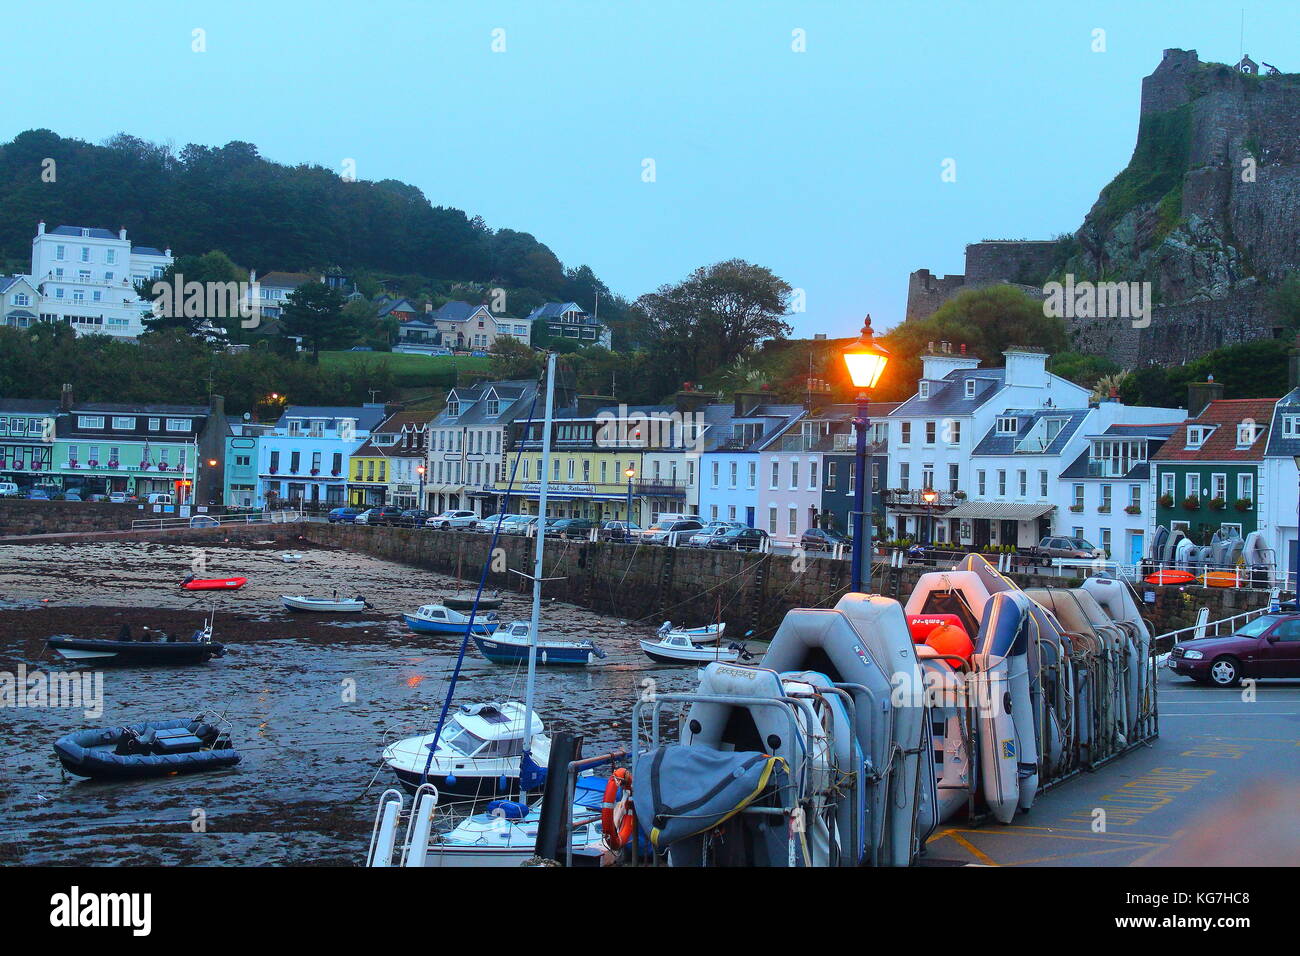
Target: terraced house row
979	456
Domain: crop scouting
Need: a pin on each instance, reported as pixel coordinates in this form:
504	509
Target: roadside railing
217	521
1207	628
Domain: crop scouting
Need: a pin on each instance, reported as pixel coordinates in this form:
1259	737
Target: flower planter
1132	510
1243	504
1076	508
1192	504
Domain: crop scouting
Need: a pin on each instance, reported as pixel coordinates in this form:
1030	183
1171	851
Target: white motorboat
700	635
478	752
675	647
505	834
329	605
292	557
511	644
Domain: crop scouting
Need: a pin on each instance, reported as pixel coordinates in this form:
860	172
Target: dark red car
1268	646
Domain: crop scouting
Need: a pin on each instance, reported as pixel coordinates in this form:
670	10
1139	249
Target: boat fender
951	640
507	809
617	818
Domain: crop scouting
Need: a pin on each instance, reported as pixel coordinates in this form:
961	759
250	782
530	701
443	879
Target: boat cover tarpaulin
690	790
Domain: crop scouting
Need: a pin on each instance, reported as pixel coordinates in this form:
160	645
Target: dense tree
511	358
194	291
314	313
1256	369
714	316
262	214
988	321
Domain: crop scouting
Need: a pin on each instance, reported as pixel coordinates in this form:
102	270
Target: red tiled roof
1227	414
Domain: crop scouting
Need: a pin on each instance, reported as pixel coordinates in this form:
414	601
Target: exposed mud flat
286	687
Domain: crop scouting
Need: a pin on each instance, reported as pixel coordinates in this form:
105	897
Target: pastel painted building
933	436
304	459
26	440
87	277
732	485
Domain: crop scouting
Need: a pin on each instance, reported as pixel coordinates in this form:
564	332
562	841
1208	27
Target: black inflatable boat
151	647
154	748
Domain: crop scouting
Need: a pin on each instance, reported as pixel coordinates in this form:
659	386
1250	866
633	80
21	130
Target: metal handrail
1202	629
257	517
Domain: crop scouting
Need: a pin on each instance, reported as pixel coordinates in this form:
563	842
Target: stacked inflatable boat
866	726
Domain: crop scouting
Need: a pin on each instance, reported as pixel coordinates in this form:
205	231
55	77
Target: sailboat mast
534	620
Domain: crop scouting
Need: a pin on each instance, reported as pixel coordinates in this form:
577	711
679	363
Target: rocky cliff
1209	205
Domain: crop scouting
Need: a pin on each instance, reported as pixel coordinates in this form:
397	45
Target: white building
933	436
86	278
467	467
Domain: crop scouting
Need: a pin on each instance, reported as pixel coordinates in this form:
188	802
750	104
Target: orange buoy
922	624
1220	579
951	640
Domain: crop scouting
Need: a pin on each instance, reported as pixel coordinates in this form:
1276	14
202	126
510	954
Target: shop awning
998	511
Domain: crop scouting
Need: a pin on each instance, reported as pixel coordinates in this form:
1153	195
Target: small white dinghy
329	605
292	557
700	635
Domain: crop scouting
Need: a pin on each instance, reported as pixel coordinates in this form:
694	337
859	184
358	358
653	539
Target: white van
160	499
8	489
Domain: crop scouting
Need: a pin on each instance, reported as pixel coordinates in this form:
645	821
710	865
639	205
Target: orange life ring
618	834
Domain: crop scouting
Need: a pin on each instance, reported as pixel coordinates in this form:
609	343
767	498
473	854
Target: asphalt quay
1225	768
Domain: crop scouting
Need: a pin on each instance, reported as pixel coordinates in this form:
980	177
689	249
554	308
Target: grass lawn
413	370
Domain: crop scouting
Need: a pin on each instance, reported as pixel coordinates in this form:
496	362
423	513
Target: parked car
384	514
1268	646
97	497
117	497
1061	546
159	498
9	489
571	528
711	530
624	531
414	518
658	532
517	524
739	539
364	517
38	494
489	524
819	539
452	518
72	494
345	515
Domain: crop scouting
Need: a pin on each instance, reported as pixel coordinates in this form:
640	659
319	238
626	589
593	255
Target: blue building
304	458
732	456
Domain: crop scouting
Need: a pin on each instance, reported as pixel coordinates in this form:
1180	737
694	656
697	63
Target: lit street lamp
419	470
929	496
630	473
866	362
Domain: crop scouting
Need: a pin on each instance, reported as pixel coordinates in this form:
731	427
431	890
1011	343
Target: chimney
686	401
1200	394
252	276
1026	367
935	365
588	405
428	307
40	228
65	397
121	234
167	253
746	402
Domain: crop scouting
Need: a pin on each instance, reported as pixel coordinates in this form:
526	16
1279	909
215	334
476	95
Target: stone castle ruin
1207	212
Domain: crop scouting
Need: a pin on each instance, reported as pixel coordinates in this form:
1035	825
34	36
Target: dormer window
493	407
1197	434
1247	432
970	388
453	409
924	390
1008	425
1291	426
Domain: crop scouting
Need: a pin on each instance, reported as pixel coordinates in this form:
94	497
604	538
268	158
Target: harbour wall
693	585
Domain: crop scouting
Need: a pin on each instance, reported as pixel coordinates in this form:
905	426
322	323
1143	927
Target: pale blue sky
823	165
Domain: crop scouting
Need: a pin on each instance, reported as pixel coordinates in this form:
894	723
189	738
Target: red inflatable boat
213	584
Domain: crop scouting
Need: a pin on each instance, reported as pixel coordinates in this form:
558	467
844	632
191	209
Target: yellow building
592	451
367	476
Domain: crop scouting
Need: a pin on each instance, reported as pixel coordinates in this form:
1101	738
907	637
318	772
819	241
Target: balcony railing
663	488
913	499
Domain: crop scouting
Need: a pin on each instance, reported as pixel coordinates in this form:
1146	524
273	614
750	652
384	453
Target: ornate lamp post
419	470
630	473
866	362
929	496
